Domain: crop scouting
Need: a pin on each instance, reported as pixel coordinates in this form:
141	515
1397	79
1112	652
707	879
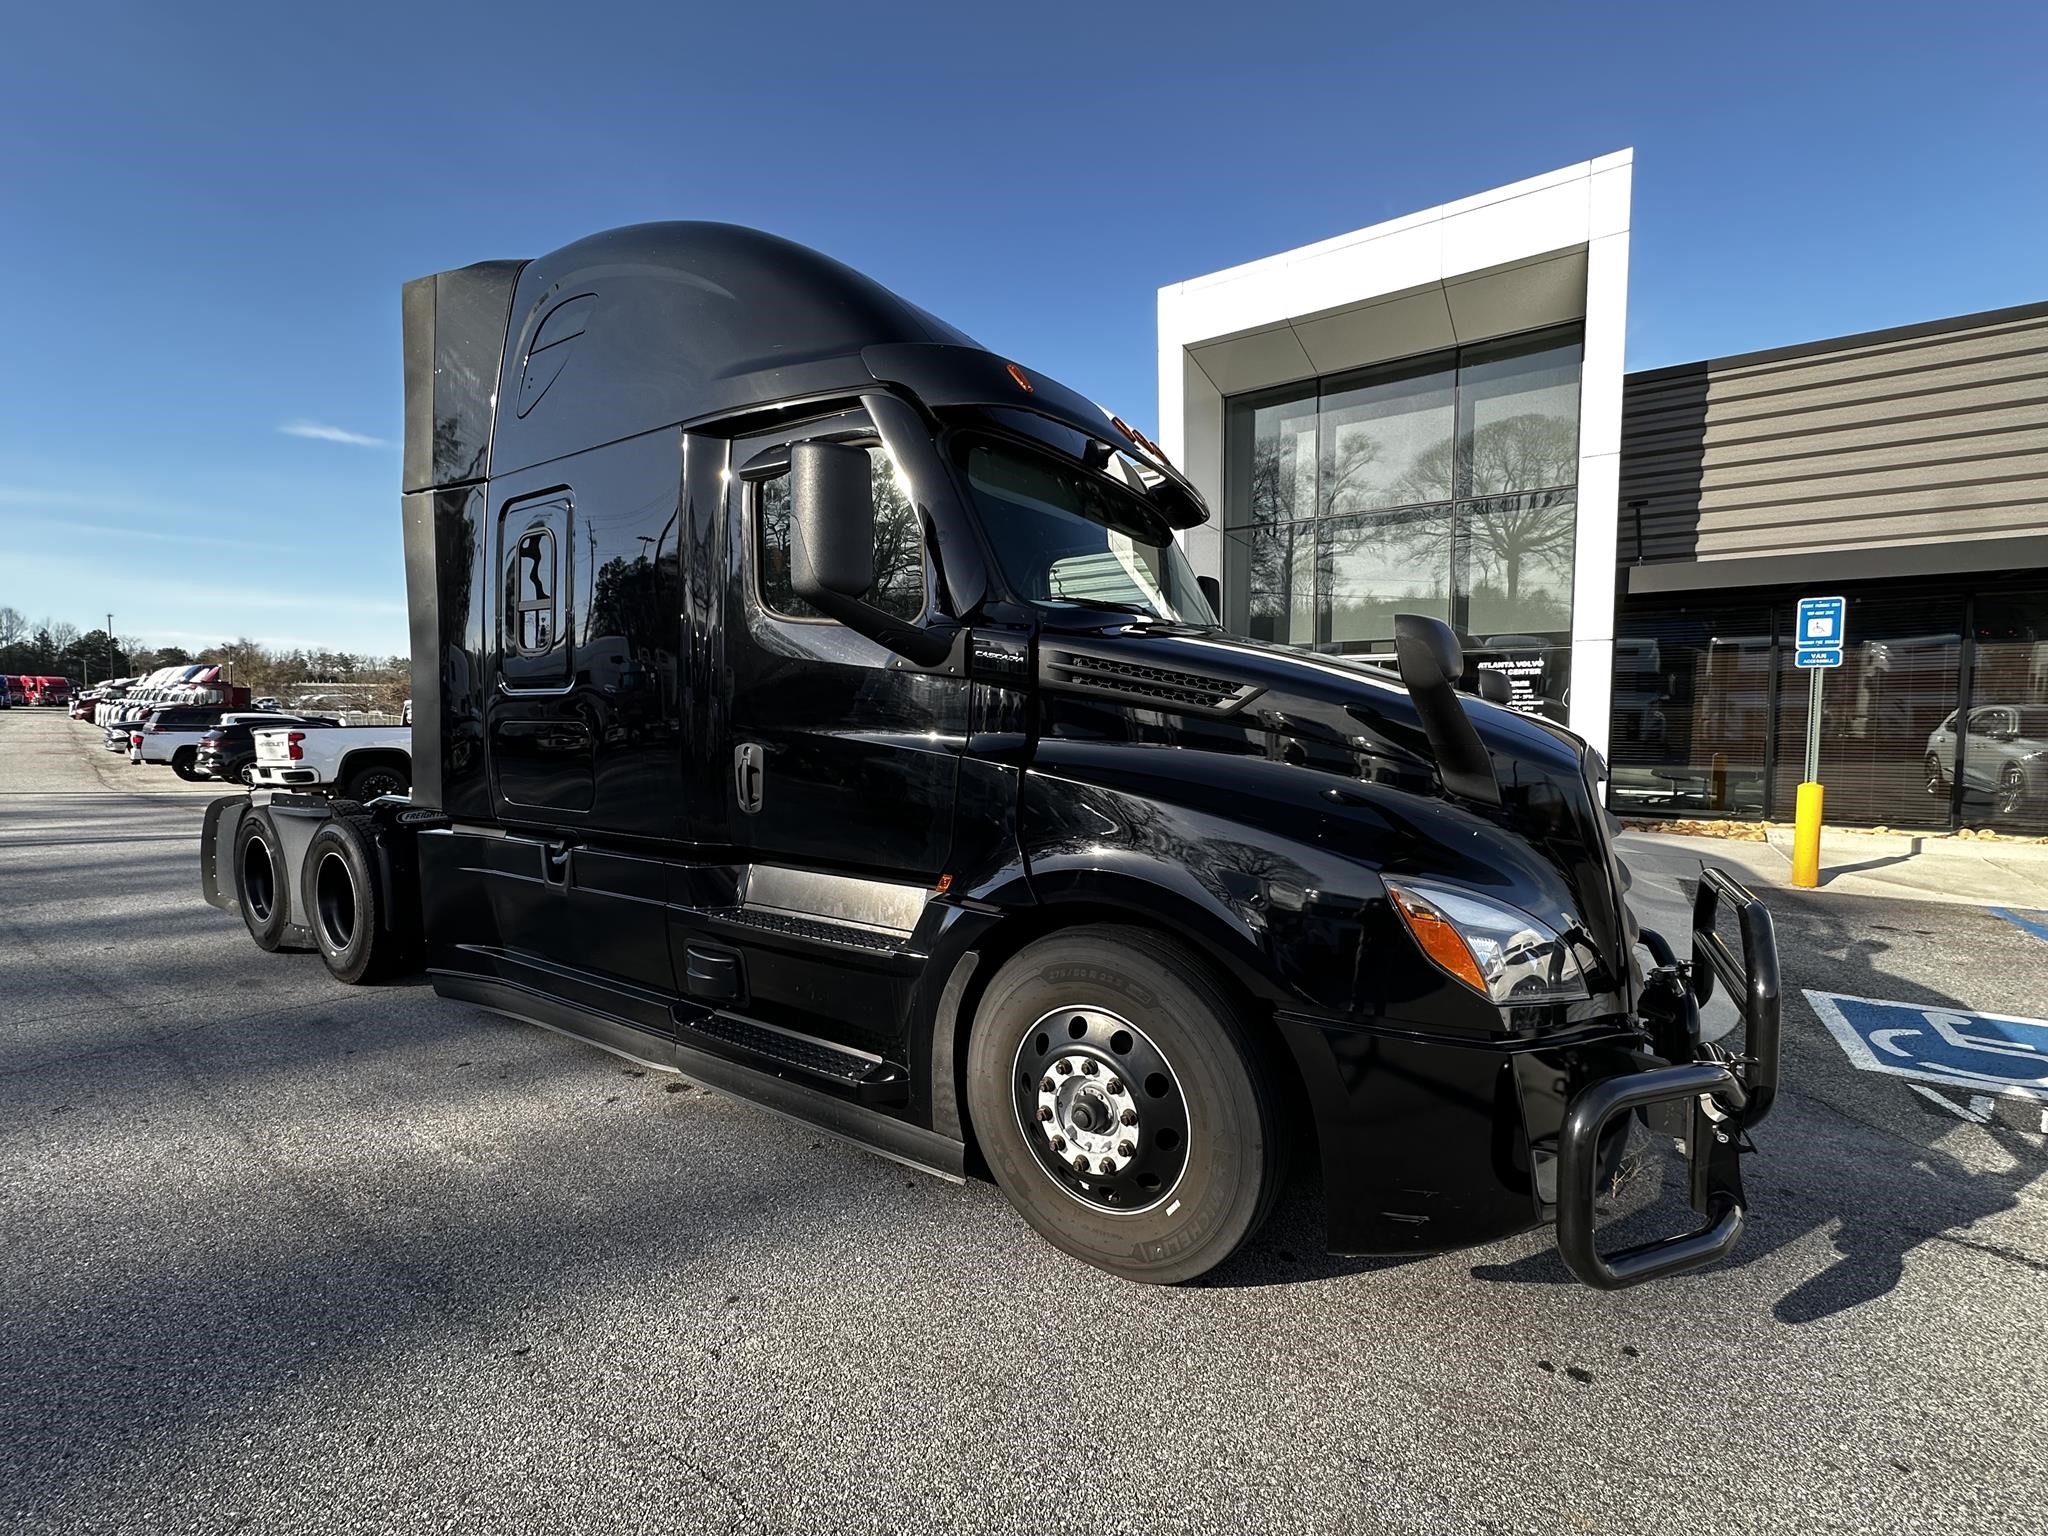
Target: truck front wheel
185	764
1119	1105
343	904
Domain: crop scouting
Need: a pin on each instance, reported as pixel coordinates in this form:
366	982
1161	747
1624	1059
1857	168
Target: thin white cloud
326	434
161	536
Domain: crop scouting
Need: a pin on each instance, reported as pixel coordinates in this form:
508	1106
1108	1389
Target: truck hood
1358	726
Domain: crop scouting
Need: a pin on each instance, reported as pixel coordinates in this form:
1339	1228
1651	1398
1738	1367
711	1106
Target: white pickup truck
358	762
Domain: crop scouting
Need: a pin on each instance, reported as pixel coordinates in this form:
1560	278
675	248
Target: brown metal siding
1931	434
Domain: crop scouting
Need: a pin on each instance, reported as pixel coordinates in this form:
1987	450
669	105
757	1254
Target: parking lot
277	1254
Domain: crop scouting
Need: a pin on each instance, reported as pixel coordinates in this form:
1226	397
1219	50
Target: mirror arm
927	645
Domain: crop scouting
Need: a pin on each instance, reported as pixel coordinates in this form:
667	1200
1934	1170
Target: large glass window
1690	732
2002	779
1444	485
899	587
1069	538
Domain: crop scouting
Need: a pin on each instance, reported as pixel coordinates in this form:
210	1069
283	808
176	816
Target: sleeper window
534	545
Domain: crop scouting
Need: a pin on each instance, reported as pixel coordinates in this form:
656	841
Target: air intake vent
1116	677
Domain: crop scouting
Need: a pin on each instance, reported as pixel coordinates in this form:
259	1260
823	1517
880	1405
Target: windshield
1070	539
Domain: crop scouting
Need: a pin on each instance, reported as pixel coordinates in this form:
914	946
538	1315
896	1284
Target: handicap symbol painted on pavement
1981	1051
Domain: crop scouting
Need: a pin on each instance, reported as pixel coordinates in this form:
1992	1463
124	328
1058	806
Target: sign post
1818	637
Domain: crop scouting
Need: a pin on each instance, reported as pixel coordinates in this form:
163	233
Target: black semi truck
814	703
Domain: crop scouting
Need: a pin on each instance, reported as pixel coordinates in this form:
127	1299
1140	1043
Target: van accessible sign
1820	632
1981	1052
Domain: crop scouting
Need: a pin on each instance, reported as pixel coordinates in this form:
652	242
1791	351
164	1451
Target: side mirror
831	523
1493	687
1212	594
832	550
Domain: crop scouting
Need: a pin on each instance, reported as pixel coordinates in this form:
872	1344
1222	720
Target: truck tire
343	902
185	764
1116	1048
261	887
377	779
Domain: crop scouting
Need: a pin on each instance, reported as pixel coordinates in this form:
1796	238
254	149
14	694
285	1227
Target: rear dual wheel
1119	1105
343	903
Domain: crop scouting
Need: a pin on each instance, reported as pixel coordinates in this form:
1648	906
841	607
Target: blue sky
208	210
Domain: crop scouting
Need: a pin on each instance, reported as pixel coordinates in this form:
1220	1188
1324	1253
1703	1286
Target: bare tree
13	627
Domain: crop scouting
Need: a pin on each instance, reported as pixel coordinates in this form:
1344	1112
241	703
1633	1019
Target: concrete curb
1900	865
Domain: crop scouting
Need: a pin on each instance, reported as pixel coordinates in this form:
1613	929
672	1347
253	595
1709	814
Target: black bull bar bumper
1710	1096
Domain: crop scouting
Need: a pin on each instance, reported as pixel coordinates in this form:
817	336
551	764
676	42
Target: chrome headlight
1499	951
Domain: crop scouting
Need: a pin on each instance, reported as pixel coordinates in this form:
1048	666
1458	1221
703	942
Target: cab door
842	758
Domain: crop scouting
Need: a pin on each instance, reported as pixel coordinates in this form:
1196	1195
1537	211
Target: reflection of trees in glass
1346	575
1514	535
899	546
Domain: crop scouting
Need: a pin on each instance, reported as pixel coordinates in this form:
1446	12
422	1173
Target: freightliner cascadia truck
816	704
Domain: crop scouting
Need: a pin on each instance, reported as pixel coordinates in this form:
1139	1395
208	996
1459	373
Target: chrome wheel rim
1101	1109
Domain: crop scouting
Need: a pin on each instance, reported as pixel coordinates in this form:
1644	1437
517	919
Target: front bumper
1431	1143
1710	1097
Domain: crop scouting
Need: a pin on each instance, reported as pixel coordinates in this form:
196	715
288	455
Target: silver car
2005	756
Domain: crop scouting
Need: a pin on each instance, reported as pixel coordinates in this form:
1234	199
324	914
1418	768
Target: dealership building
1432	415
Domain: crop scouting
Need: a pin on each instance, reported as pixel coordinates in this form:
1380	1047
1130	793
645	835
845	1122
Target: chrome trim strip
882	906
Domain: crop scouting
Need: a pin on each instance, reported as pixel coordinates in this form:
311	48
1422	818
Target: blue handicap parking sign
1820	631
1985	1052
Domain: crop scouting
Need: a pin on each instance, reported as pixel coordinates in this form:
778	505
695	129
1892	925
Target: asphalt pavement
280	1255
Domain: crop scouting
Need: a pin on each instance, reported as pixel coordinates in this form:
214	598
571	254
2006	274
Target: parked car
228	751
173	735
360	762
269	702
2004	758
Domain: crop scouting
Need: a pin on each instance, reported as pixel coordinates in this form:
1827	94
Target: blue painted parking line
2035	923
1984	1052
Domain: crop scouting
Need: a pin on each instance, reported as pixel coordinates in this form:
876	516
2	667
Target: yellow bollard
1806	838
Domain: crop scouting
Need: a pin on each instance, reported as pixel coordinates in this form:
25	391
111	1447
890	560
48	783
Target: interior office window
1518	416
1691	716
2003	761
534	543
1386	438
899	587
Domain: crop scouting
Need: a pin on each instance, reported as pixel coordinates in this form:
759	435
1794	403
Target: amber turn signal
1439	940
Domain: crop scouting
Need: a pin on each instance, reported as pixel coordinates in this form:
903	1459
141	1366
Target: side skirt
912	1145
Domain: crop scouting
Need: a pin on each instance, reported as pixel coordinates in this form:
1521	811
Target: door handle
557	857
749	769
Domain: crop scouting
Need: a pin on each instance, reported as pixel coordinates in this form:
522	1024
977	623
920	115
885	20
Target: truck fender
217	847
1003	916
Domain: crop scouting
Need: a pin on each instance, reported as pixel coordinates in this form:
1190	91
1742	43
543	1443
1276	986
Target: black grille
1140	684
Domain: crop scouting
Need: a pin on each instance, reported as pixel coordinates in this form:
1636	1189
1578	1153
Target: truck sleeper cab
814	703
